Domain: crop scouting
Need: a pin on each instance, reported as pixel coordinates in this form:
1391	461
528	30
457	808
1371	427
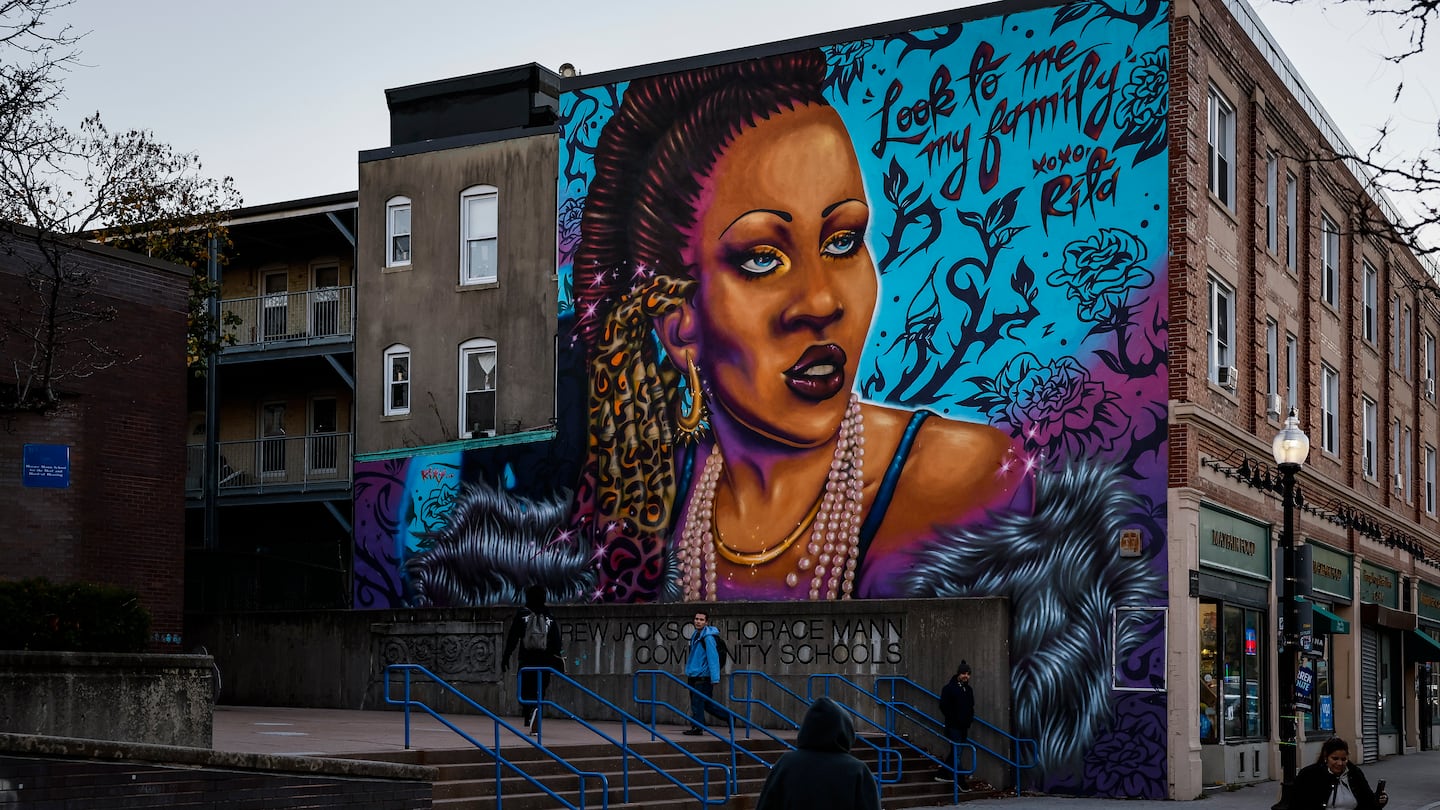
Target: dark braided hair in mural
649	163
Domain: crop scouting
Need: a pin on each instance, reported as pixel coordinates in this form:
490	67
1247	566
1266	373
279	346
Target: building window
1427	342
477	386
1369	300
1407	328
1272	356
1329	409
1292	207
1429	480
479	227
1292	370
397	232
1233	703
1395	455
1395	331
397	380
1370	426
1222	149
1409	466
1221	333
1323	689
1329	261
1272	207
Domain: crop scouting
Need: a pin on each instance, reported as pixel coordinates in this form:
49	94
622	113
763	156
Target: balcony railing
280	463
325	315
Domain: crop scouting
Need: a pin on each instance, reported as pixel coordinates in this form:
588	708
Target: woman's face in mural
786	285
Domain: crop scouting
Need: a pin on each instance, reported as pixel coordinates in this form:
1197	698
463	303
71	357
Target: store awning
1421	647
1327	622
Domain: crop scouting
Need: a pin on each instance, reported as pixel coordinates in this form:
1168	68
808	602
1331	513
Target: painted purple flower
568	226
1146	95
1056	406
1129	760
1101	271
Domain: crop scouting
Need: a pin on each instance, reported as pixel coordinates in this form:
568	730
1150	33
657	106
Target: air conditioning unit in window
1430	388
1369	468
1225	377
1272	405
1399	483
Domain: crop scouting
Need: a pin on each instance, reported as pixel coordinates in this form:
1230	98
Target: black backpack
722	650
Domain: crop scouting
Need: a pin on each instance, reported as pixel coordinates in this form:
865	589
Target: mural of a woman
724	279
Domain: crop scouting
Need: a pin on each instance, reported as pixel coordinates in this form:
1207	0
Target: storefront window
1322	717
1233	658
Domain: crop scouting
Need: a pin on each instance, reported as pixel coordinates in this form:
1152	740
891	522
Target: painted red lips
819	374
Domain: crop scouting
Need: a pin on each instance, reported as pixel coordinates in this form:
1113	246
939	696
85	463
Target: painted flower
846	63
1056	406
1146	95
1101	271
1129	760
568	225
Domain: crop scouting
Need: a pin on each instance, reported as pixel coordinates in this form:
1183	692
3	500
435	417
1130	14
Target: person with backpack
702	672
537	635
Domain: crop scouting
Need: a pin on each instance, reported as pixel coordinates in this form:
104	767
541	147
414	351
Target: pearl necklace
833	551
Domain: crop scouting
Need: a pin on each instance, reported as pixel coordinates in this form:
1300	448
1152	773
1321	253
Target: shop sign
1327	713
1234	543
1428	605
1331	572
1379	586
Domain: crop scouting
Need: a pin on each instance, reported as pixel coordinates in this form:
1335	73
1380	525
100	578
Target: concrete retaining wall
160	699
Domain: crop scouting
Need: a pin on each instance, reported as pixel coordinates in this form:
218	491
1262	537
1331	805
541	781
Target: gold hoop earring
690	422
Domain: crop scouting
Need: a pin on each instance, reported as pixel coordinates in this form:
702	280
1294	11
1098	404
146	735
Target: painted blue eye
842	243
762	262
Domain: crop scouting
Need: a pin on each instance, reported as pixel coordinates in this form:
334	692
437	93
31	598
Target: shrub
78	617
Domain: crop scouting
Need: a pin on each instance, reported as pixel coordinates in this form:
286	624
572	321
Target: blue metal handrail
916	715
884	755
624	742
656	703
500	761
826	680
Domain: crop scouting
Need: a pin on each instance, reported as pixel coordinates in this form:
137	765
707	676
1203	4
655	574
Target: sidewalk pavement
1414	784
1414	779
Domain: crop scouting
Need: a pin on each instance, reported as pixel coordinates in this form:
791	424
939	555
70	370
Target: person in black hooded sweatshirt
550	656
821	774
957	705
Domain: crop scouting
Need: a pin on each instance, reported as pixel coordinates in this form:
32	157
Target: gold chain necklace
765	555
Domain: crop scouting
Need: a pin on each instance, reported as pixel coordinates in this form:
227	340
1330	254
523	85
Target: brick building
120	519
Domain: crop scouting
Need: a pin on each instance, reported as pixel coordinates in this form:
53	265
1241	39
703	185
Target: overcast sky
282	94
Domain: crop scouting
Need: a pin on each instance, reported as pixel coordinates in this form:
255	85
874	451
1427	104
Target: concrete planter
125	697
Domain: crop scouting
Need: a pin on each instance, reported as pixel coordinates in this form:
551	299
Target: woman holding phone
1332	783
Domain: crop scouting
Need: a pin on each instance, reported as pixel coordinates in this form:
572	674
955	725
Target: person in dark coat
1332	782
550	655
957	706
821	774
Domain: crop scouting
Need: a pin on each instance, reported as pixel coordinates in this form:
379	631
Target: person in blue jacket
702	671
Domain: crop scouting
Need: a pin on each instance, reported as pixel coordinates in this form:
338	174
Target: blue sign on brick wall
46	465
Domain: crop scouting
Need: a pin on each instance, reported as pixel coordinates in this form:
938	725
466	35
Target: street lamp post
1291	447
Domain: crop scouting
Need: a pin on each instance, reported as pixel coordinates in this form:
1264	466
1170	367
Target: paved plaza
1414	780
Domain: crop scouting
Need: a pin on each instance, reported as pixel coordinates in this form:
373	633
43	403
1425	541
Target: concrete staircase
466	779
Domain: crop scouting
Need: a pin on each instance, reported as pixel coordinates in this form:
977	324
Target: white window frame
1220	137
1407	328
396	352
1292	370
479	232
1370	300
1429	480
1272	202
1221	337
1272	356
1395	331
1368	459
1329	409
1292	207
394	232
1427	343
1329	261
1394	452
472	347
1409	465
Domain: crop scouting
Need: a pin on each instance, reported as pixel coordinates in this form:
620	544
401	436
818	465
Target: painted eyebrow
784	215
833	206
